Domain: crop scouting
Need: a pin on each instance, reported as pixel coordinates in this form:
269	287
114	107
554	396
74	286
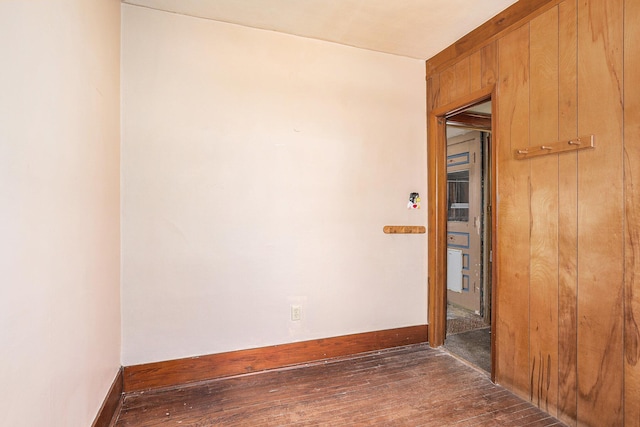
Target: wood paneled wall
568	225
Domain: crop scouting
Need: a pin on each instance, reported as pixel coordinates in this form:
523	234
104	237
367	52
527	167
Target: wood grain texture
512	263
600	214
494	251
112	403
489	65
579	51
543	301
183	371
404	229
409	386
475	72
477	121
632	213
506	21
567	214
433	92
447	85
584	142
437	229
462	78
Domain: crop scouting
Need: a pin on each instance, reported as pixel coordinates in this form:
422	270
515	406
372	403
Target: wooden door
464	219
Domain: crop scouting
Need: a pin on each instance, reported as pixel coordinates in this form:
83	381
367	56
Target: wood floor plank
414	385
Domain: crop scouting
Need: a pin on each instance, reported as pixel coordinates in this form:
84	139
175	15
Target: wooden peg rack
582	143
404	229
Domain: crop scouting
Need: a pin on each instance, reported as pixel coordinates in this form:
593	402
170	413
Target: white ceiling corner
412	28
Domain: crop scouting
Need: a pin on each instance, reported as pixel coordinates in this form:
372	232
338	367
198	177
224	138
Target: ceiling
413	28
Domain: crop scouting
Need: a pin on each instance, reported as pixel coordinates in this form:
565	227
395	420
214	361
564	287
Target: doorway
463	115
468	163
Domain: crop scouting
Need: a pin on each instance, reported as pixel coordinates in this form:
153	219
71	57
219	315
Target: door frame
437	215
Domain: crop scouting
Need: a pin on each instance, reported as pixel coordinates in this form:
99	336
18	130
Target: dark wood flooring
409	386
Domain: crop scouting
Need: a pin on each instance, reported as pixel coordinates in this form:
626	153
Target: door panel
464	225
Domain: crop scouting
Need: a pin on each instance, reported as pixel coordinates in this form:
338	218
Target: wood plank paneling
183	371
514	16
489	59
600	214
462	78
475	72
543	301
559	75
632	213
567	214
512	330
447	85
433	92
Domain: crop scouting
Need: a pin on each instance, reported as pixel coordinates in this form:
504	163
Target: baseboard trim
177	372
112	402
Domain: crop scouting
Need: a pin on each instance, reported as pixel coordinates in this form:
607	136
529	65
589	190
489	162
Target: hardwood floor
408	386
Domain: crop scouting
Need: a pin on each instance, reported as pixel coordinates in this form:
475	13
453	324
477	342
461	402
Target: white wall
258	171
59	210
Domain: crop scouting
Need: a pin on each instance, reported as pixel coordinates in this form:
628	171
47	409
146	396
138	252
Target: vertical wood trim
112	403
437	231
632	213
600	214
567	215
433	311
512	260
543	303
495	248
433	92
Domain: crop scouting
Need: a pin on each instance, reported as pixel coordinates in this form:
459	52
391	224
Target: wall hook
582	143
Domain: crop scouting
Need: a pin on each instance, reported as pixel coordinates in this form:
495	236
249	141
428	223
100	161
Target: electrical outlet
296	312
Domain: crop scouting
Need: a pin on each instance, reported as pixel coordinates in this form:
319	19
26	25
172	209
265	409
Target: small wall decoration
414	201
